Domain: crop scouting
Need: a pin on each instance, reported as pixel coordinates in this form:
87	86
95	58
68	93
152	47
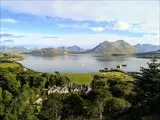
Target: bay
82	63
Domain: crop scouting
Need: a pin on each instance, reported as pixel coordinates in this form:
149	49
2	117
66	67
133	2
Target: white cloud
97	29
9	20
118	25
122	26
127	11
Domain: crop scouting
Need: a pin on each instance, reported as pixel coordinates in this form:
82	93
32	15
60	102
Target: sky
82	23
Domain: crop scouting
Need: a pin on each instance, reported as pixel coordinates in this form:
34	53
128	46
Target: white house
39	101
55	89
64	90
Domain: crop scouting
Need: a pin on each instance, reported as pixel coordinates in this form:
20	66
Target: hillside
118	47
45	52
11	57
146	47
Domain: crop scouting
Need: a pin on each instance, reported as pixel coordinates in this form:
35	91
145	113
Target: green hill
45	52
11	57
118	47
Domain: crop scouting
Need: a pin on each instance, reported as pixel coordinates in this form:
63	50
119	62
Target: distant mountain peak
104	42
117	47
75	46
121	41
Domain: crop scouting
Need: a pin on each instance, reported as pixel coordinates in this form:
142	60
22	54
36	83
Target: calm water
82	63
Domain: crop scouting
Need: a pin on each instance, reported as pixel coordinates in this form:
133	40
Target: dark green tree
8	82
61	80
52	107
1	104
125	91
97	98
114	107
99	82
73	106
149	81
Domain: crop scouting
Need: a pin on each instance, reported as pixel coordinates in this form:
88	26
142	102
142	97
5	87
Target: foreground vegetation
9	65
11	57
114	95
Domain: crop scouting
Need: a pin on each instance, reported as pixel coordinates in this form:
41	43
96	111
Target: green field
9	65
80	78
118	76
86	78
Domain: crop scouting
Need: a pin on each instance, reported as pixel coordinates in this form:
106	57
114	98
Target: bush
114	107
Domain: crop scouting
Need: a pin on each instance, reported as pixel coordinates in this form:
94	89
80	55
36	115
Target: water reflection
109	58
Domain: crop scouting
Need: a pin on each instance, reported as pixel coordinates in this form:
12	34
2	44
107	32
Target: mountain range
55	51
14	49
106	47
149	54
146	47
45	52
74	48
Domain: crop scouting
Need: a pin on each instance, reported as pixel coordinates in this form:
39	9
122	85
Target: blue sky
53	23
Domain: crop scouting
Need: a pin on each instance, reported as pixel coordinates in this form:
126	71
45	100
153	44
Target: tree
99	94
97	98
51	81
7	97
99	82
37	81
9	82
114	107
61	80
125	91
149	81
1	97
148	92
1	104
73	106
51	108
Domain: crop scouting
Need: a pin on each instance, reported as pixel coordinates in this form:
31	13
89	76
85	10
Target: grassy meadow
118	76
80	78
9	65
86	78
